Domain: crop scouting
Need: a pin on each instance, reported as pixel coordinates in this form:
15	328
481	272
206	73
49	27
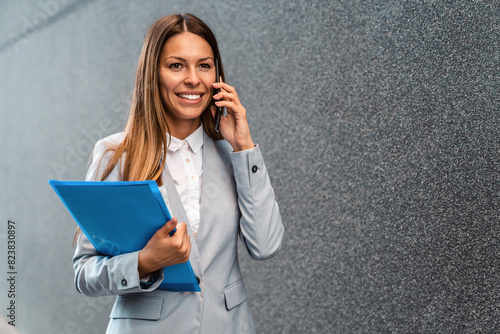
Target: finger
225	96
228	104
168	227
224	87
232	108
185	242
181	228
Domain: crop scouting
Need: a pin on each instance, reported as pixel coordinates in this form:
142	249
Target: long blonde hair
145	141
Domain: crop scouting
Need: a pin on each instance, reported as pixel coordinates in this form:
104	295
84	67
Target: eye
175	66
205	66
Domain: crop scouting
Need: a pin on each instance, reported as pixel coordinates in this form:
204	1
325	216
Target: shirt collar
194	140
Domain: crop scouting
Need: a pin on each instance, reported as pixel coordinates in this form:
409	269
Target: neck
182	130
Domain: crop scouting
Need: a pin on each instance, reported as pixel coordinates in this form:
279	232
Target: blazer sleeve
261	228
100	275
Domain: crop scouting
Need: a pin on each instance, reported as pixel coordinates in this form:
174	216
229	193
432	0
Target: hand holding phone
236	129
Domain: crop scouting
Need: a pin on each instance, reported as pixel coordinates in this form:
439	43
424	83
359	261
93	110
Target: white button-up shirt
184	161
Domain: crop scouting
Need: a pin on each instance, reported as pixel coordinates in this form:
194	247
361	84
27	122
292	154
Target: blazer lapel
216	181
179	212
208	154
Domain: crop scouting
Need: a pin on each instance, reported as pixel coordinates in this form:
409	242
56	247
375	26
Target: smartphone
218	113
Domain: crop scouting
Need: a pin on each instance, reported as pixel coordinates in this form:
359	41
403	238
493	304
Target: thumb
168	227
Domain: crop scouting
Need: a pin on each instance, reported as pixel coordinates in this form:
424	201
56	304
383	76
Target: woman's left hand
234	126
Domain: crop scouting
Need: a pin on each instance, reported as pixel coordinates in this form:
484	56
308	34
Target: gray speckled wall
379	122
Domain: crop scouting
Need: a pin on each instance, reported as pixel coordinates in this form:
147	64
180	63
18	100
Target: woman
216	185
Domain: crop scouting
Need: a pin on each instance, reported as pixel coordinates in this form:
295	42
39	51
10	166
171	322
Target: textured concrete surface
379	122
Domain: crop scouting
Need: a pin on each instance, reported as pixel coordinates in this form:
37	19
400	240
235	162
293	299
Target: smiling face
186	74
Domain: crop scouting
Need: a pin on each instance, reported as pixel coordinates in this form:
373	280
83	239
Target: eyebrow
180	58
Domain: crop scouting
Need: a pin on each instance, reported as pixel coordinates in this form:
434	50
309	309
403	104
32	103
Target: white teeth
189	96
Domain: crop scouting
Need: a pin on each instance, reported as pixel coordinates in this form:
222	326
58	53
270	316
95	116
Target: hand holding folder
162	251
121	217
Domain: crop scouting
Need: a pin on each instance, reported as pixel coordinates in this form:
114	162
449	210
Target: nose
192	78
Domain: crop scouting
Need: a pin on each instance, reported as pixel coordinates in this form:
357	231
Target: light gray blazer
237	201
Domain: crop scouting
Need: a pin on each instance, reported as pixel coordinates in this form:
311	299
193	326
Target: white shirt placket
193	187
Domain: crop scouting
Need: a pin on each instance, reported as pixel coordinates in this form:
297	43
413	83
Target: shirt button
255	169
124	282
187	160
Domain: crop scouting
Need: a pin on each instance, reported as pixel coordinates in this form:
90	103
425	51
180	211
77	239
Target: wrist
246	146
143	265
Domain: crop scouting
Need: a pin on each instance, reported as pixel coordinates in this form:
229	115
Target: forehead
186	45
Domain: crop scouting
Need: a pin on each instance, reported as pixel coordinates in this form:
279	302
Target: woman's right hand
163	250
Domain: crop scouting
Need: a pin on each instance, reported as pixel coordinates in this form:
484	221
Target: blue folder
120	217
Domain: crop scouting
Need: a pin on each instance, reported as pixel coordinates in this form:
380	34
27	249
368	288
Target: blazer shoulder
224	150
102	154
111	140
223	146
102	145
